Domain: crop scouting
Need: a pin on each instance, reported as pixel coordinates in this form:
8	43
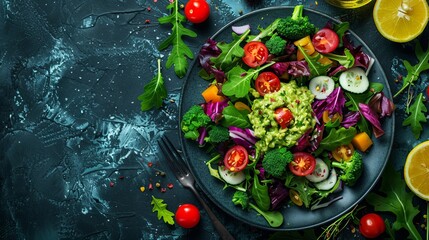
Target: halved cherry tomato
302	164
255	54
187	215
371	225
343	152
325	40
267	82
236	158
283	116
295	198
197	11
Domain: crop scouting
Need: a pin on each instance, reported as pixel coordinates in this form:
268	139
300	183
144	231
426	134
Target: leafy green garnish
316	68
416	116
161	207
413	72
239	80
260	194
180	51
233	117
230	51
397	200
154	92
335	138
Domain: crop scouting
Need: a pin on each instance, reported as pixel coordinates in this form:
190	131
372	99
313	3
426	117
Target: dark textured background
74	145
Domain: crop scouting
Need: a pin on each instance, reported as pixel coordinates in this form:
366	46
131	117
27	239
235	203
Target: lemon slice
401	20
416	170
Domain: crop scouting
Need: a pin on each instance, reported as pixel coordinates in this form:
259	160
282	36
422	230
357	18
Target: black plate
295	218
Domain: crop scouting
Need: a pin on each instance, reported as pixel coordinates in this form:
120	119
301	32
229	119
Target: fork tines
174	159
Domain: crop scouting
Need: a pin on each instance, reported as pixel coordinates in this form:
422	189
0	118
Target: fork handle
221	229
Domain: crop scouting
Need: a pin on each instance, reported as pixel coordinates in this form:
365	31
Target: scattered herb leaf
416	116
161	207
396	199
154	92
180	51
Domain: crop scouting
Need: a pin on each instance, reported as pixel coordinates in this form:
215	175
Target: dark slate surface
75	147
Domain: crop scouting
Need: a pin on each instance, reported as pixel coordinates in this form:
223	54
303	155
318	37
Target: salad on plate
288	114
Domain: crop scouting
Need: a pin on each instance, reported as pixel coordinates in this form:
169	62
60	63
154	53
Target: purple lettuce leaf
243	137
208	51
350	119
278	194
203	134
214	109
334	103
373	118
361	59
293	68
382	105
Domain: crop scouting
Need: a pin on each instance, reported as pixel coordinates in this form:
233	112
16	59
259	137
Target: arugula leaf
335	138
180	51
397	200
233	117
229	51
316	68
160	207
238	83
154	92
413	72
416	116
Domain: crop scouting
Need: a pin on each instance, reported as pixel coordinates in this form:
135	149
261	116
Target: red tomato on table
187	215
197	11
371	225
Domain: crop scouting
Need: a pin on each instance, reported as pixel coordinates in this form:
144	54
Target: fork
182	173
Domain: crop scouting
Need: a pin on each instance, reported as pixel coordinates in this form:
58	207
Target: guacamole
298	100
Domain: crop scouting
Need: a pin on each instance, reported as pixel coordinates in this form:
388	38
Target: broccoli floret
217	134
241	198
276	160
352	169
192	120
276	45
296	26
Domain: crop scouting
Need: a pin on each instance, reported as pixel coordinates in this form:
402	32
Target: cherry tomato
267	82
187	215
283	117
302	164
371	225
255	54
197	11
236	158
325	40
343	152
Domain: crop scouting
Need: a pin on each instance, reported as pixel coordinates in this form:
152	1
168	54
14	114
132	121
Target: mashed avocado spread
270	134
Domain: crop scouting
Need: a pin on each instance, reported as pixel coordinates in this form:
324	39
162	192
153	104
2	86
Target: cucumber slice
232	178
321	86
320	173
328	183
354	80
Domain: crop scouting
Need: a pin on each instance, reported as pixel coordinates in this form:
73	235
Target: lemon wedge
401	20
416	170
